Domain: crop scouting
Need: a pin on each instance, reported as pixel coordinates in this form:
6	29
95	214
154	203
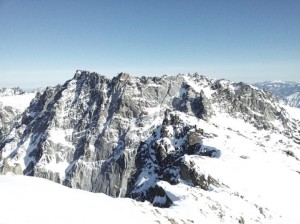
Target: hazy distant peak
11	91
287	91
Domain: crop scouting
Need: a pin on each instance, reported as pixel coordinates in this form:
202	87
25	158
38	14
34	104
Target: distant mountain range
287	92
11	91
13	102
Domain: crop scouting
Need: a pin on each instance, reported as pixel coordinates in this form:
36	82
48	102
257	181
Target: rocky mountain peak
123	136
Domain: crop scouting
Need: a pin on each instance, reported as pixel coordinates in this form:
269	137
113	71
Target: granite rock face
254	106
121	136
7	118
161	157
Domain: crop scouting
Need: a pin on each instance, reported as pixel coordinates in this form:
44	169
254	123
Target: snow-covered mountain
288	92
206	150
11	91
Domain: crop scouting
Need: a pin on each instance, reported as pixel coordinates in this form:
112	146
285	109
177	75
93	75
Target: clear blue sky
44	42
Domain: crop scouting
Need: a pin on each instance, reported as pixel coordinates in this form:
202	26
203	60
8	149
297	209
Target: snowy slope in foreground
34	200
259	182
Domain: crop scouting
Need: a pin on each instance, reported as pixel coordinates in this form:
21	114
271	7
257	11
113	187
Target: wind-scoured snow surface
31	200
208	151
256	174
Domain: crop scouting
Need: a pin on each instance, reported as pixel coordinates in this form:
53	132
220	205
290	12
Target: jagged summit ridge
91	104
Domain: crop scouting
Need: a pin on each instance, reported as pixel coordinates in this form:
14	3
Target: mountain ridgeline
121	136
287	92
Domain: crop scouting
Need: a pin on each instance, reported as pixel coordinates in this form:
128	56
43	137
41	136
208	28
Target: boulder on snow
7	168
189	173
